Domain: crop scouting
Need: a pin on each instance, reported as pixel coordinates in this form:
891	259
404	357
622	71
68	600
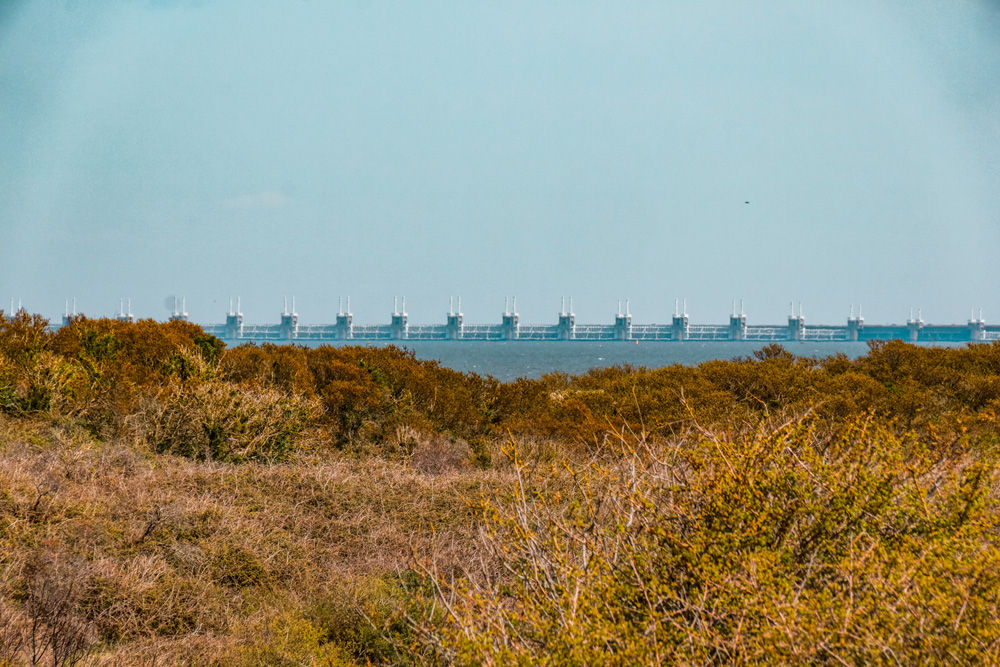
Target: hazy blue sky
596	149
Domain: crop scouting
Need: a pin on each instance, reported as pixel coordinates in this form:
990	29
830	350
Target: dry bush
216	422
47	626
11	634
773	546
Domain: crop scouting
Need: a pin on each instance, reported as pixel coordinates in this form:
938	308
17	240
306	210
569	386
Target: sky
828	153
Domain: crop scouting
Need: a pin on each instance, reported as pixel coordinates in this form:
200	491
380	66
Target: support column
977	327
796	324
289	322
914	326
510	321
234	321
679	323
737	323
854	325
623	323
345	321
122	316
68	318
399	329
567	322
455	327
175	316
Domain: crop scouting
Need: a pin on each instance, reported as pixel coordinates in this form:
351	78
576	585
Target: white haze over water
828	153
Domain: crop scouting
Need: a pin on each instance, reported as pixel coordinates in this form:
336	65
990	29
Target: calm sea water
532	359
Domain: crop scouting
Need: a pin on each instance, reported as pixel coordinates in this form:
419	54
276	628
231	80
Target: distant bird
746	202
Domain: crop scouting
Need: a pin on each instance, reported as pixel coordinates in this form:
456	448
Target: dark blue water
532	359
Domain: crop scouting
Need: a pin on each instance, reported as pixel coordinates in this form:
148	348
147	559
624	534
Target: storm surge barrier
679	329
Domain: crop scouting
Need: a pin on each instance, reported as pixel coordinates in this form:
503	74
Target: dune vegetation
165	499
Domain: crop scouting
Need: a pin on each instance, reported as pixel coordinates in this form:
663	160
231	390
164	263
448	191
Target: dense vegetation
165	499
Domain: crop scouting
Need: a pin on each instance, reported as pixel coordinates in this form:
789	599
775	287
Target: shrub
237	567
285	639
365	622
215	422
50	628
776	546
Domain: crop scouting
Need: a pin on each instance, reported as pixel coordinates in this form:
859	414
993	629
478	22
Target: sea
509	360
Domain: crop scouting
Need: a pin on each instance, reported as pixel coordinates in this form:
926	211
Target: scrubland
167	500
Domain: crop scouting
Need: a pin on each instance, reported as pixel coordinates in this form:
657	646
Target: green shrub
776	546
236	567
214	422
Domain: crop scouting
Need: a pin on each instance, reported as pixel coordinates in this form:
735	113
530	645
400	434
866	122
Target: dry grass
177	558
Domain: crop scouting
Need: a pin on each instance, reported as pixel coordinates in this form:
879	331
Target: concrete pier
854	325
68	317
623	323
176	316
737	323
454	323
289	322
567	321
398	323
796	324
123	316
914	326
510	324
977	327
234	321
345	321
679	324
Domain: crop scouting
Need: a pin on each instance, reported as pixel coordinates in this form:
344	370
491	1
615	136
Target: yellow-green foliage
286	639
209	421
772	547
